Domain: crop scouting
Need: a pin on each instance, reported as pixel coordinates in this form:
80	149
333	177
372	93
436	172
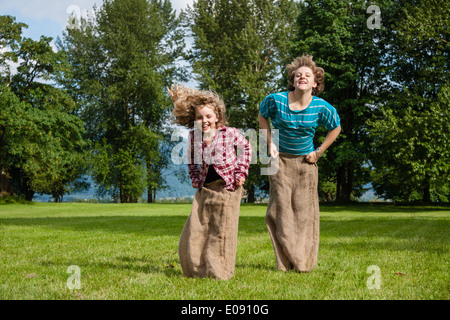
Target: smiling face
206	118
304	79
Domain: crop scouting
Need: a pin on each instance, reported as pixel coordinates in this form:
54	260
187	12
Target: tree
123	58
10	36
335	32
416	165
41	143
411	133
10	32
238	51
11	109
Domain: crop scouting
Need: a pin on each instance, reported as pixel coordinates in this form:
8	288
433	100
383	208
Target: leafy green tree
10	32
353	55
411	133
47	152
123	58
41	138
239	49
11	120
414	147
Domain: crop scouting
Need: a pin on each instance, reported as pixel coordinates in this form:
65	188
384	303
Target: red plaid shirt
221	153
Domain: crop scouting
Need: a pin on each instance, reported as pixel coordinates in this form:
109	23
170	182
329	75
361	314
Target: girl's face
206	118
304	79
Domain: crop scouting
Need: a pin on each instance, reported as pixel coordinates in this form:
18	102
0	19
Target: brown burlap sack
209	238
293	213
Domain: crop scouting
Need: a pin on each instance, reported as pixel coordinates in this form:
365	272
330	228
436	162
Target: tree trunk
251	194
124	198
5	184
28	192
151	192
344	186
349	182
150	195
340	183
426	191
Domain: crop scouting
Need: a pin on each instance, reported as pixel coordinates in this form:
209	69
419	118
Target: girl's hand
240	182
273	150
312	157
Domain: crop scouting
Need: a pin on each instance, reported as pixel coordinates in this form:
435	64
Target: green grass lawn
129	251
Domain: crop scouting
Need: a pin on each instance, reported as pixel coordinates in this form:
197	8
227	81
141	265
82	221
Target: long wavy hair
186	101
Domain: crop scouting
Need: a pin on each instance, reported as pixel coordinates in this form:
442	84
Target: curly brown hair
186	101
306	60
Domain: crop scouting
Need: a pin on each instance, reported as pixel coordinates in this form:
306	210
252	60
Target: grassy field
129	251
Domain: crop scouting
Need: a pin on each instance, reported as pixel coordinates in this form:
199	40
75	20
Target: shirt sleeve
328	117
244	149
267	107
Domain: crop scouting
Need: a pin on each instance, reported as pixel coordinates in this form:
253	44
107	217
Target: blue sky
49	17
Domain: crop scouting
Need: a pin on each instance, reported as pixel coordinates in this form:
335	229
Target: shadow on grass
143	264
427	229
173	225
353	236
153	226
383	207
373	206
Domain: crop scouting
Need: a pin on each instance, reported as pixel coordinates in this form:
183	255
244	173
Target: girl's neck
300	99
208	137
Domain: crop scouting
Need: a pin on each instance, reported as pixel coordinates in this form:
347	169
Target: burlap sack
293	213
209	238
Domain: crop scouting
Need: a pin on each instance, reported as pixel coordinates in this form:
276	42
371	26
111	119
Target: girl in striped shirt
293	210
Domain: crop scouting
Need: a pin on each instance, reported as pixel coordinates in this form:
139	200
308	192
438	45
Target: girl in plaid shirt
209	238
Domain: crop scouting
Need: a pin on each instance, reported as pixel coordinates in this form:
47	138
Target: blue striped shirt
297	127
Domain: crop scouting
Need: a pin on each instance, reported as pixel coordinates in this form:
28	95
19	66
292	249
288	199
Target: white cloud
53	46
12	65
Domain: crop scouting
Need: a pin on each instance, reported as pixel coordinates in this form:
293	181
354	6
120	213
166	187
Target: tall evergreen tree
239	49
338	35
